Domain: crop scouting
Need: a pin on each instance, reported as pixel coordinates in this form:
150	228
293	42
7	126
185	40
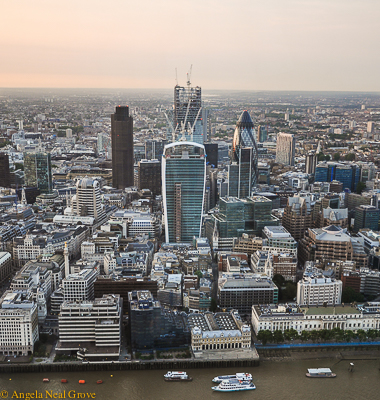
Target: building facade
37	171
122	148
285	148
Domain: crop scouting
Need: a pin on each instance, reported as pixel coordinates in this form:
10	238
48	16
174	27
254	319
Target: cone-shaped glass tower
243	172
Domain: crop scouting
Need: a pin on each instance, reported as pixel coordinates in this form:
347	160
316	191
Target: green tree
19	166
278	337
360	187
350	157
337	156
265	336
304	336
349	295
321	157
327	157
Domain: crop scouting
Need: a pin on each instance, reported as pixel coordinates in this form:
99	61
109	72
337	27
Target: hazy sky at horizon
240	44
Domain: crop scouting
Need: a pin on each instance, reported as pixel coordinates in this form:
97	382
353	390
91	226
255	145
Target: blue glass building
183	187
348	174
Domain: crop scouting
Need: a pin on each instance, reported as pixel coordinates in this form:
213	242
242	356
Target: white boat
320	373
177	376
241	376
233	385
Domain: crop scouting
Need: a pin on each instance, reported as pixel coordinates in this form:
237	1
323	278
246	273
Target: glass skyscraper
243	171
37	170
183	187
348	174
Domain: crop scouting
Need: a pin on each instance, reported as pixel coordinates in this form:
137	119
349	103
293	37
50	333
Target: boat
63	380
241	376
99	381
46	380
177	376
320	373
82	381
233	385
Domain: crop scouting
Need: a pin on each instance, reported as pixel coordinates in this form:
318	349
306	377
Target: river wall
125	366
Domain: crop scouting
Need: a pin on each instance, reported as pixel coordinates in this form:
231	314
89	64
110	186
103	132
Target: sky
231	44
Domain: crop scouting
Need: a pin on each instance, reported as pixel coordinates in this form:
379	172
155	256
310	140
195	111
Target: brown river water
273	379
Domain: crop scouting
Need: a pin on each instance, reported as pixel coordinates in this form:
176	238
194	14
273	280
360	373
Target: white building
80	286
278	239
18	324
317	289
92	328
283	317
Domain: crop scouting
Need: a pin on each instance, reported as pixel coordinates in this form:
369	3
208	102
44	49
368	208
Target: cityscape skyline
313	45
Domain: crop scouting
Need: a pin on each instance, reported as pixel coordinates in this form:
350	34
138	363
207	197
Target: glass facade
183	180
37	169
243	171
348	174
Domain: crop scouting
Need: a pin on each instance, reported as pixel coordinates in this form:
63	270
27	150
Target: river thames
273	379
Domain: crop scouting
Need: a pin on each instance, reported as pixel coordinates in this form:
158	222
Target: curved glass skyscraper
243	171
183	187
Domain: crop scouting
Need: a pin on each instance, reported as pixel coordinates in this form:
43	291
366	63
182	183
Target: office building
240	292
91	328
154	149
149	176
183	187
80	286
319	288
87	201
219	331
366	217
278	239
18	324
348	174
187	117
37	170
298	216
285	148
211	150
331	243
243	170
311	163
284	317
5	267
5	175
262	133
122	148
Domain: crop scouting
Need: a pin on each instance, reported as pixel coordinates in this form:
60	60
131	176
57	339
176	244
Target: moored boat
177	376
63	380
320	373
46	380
241	376
99	381
233	385
82	381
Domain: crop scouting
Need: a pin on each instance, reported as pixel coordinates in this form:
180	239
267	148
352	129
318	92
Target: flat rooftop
338	310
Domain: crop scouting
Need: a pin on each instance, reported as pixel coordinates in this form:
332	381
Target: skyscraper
187	121
262	133
149	176
37	170
285	149
243	171
122	148
183	186
5	175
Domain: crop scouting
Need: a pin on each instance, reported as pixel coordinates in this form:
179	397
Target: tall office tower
183	186
187	115
37	170
211	150
243	171
5	175
285	149
262	133
154	149
311	163
149	176
87	201
206	124
348	174
298	216
122	148
370	126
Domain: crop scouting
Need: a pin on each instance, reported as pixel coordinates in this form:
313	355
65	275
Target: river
273	379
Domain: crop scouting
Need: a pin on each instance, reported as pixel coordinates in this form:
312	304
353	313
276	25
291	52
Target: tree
337	156
278	337
278	280
321	157
360	187
19	166
327	157
350	157
265	336
304	336
349	295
